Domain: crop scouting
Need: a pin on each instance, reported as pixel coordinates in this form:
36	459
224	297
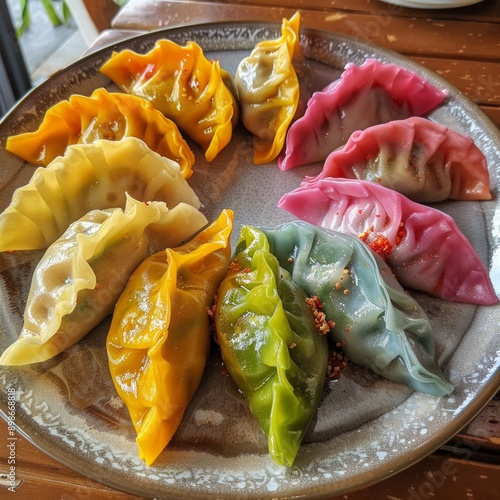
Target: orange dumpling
184	85
103	115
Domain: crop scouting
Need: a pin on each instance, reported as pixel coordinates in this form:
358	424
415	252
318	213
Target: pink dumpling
423	246
363	96
425	161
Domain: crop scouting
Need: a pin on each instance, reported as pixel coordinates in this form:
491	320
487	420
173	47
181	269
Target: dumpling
184	85
363	96
421	159
159	339
423	246
268	90
103	115
89	177
269	344
380	325
81	275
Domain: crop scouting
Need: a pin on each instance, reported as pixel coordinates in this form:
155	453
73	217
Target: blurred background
40	37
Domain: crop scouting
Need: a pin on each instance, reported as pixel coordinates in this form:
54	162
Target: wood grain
440	476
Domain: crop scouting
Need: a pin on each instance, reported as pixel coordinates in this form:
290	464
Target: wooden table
463	46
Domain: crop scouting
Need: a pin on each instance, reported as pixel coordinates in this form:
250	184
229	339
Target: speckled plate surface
365	429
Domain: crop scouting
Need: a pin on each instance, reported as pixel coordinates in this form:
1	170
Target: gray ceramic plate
366	428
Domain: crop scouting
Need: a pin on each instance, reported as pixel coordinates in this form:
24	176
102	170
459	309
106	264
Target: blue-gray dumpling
382	327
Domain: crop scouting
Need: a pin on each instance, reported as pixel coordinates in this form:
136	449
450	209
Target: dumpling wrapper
270	345
159	339
184	85
419	158
422	245
81	275
268	90
89	177
363	96
103	115
380	325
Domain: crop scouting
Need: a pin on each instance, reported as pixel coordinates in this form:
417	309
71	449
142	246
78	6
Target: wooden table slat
486	11
455	38
454	475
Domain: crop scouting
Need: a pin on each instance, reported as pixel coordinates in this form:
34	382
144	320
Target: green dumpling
270	345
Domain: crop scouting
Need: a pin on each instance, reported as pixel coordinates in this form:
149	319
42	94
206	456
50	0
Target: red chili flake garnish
234	267
211	317
381	245
401	234
366	234
314	302
320	322
336	362
211	311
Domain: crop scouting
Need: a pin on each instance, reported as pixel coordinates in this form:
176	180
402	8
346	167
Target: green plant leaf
25	16
66	13
51	12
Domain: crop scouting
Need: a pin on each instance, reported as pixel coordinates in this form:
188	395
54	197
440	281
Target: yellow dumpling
103	115
268	90
159	338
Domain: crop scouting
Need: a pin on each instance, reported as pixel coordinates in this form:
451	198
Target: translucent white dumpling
81	275
89	177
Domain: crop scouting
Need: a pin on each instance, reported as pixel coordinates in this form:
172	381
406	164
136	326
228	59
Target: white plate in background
432	4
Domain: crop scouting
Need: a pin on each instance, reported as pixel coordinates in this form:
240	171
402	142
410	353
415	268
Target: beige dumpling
78	280
89	177
268	89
